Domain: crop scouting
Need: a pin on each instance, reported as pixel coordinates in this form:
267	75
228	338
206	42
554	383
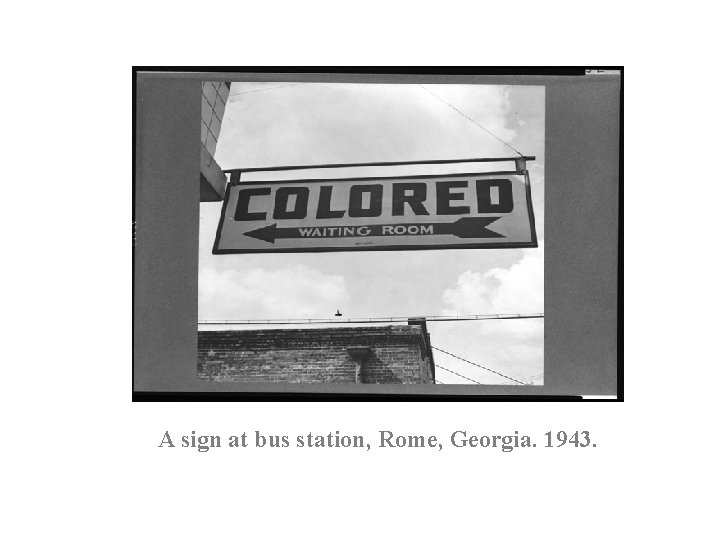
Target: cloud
517	289
347	123
297	291
512	347
488	105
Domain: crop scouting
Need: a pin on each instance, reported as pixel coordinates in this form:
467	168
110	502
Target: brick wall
399	355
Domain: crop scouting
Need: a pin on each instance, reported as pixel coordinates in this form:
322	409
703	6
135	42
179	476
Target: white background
81	460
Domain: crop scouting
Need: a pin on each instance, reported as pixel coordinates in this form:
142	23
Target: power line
455	373
427	318
473	121
478	365
263	89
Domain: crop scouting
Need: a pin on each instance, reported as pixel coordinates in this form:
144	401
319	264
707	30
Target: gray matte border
582	168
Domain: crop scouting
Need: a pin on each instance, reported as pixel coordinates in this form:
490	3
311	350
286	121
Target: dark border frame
235	181
399	74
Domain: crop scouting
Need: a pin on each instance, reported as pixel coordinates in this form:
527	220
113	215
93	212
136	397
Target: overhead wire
262	89
458	374
421	86
471	120
368	320
478	365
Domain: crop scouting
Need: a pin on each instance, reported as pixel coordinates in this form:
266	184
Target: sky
273	124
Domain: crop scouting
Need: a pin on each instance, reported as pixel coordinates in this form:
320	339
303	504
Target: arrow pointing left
469	227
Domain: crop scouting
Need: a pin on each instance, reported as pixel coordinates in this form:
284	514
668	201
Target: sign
453	211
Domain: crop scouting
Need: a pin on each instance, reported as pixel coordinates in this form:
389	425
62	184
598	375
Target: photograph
370	233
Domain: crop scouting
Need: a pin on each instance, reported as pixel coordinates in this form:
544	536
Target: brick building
371	355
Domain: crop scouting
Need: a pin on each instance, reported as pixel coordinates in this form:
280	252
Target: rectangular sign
453	211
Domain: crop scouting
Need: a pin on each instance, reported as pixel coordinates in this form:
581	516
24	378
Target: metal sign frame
520	170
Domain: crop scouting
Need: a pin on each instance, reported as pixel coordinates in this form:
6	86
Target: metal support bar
403	177
375	164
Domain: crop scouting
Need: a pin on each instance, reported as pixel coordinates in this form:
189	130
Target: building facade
358	355
213	102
